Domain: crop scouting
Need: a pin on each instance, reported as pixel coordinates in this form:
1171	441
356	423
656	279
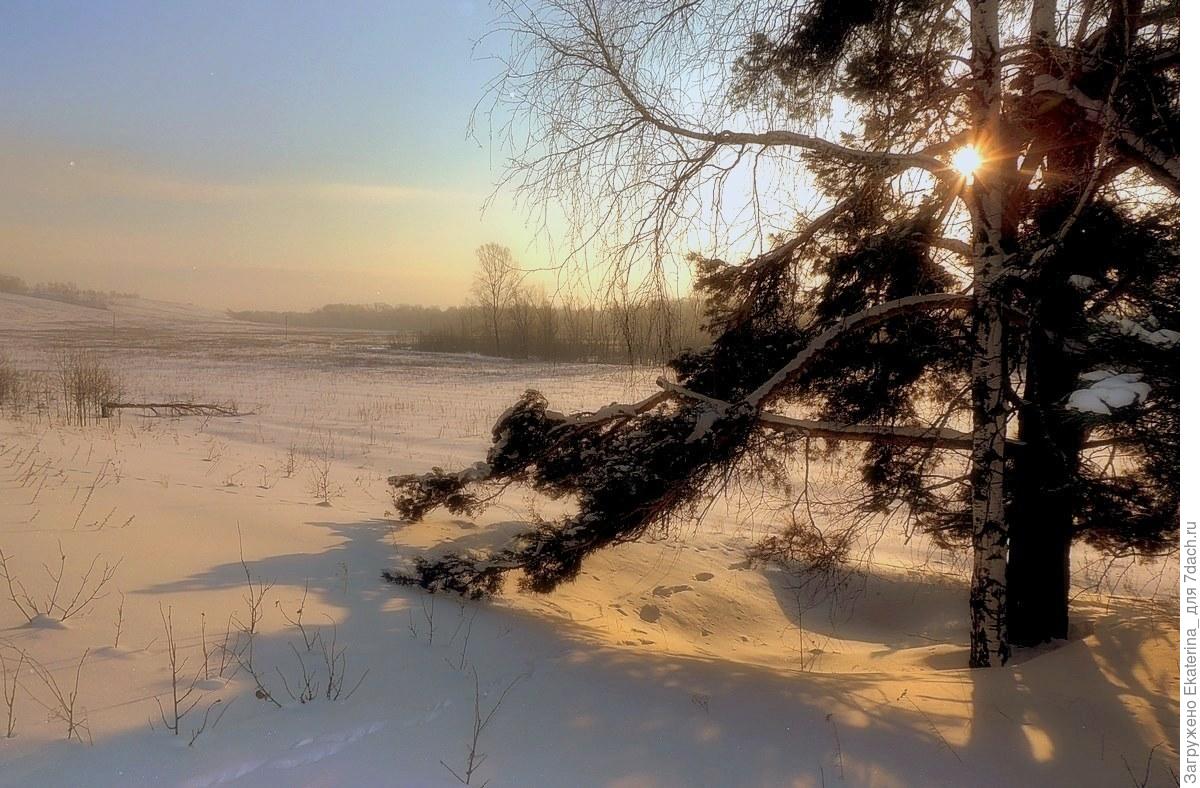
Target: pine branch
864	319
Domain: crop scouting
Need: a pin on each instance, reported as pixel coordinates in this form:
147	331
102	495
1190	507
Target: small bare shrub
182	688
319	484
242	651
335	667
10	690
289	462
475	758
309	638
427	610
204	722
64	704
225	649
307	683
50	605
120	621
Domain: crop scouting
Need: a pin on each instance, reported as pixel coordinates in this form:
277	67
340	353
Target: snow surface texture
668	663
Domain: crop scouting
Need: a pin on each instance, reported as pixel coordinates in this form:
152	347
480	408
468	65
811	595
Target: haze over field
267	156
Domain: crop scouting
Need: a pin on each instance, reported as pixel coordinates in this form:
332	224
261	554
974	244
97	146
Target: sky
278	155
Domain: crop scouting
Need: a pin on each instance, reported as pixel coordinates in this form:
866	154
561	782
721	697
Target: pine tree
999	243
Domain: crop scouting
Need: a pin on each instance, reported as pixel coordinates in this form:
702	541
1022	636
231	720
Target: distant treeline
528	326
68	292
365	317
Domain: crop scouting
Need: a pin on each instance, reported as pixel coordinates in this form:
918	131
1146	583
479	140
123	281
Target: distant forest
527	326
67	292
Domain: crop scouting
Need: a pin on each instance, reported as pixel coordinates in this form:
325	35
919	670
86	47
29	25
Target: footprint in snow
703	576
650	613
432	713
666	591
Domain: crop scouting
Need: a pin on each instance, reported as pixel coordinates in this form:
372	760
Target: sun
967	160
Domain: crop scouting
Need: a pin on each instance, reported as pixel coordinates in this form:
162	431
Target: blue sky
302	152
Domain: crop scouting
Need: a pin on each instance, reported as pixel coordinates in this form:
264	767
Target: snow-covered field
672	662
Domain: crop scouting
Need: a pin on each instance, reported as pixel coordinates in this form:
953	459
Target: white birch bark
989	630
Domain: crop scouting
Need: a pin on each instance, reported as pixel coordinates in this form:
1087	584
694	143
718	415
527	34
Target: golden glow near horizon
967	160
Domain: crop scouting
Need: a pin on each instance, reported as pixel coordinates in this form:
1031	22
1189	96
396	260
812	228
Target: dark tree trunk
1041	514
1040	528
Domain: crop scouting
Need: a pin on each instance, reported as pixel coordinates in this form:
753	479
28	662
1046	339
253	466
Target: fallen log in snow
173	408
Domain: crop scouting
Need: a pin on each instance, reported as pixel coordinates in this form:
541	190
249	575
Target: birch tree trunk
989	630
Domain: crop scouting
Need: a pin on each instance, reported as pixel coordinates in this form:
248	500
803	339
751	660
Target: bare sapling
225	650
120	622
335	667
475	758
9	679
243	648
289	462
309	638
204	644
64	703
183	689
204	722
319	467
50	605
307	684
428	610
470	622
242	654
91	491
837	739
255	594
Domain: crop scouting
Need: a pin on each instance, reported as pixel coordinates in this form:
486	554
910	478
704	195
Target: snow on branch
1159	164
1161	337
932	437
1108	391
